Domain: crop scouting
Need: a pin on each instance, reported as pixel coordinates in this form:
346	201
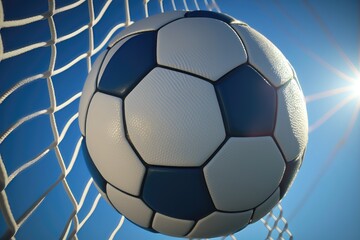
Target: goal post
40	88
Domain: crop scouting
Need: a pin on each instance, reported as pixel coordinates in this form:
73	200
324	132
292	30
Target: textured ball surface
194	124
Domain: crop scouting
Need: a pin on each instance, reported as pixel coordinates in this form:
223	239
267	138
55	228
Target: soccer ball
194	124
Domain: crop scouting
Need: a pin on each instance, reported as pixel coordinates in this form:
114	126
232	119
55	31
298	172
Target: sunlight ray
327	93
331	37
359	51
330	113
289	16
327	65
328	162
306	50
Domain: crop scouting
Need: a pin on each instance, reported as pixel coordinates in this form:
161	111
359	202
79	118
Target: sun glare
356	89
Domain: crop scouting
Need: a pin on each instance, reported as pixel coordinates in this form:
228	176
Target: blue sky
321	40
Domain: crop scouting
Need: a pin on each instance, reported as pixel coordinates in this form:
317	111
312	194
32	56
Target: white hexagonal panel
174	119
244	173
102	193
265	56
266	206
108	147
220	224
295	76
203	46
88	91
171	226
148	24
133	208
291	129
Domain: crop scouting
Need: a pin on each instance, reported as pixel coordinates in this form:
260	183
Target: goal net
46	50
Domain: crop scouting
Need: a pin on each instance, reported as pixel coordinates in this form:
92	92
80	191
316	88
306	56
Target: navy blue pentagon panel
247	101
289	175
177	192
207	14
96	175
132	61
